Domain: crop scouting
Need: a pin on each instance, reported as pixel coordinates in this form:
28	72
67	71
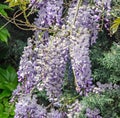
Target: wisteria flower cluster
103	87
93	113
43	63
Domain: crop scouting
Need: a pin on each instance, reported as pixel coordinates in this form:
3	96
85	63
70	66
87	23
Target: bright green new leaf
12	113
13	3
117	21
115	25
3	8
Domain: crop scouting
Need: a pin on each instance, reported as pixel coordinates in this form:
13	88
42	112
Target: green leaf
9	74
94	100
2	82
4	34
2	9
12	113
11	86
6	102
4	115
1	108
3	12
12	74
3	75
5	93
8	78
2	86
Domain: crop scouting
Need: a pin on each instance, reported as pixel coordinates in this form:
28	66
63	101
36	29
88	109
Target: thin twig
77	9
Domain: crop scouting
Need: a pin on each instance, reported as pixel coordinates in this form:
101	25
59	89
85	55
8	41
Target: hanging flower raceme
56	114
26	72
48	67
84	27
103	7
93	113
44	60
27	107
79	53
49	14
83	33
74	110
51	66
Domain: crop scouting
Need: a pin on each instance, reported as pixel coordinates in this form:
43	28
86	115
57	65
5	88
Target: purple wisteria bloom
26	72
93	113
81	65
49	14
44	59
74	110
27	107
51	66
56	114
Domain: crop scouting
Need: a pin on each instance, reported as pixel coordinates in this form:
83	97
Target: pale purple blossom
56	114
27	107
74	109
93	113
